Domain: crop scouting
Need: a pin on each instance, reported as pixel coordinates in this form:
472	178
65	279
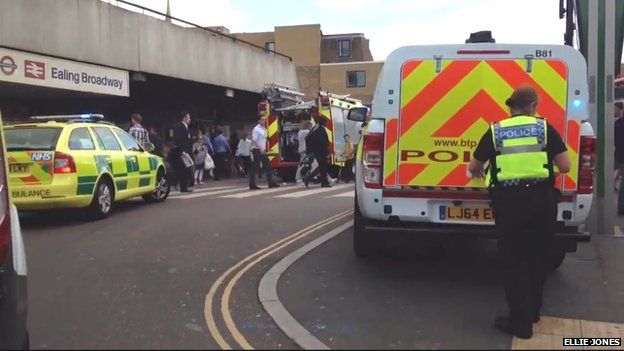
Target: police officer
522	152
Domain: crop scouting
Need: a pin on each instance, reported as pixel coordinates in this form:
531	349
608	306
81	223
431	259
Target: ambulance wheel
102	203
363	240
161	192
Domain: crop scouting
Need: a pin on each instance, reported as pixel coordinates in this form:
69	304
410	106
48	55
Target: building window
356	79
344	48
270	46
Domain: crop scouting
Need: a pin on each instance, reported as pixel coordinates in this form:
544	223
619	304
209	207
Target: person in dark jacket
317	143
157	141
183	144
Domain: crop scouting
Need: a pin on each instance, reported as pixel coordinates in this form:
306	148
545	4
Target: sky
388	24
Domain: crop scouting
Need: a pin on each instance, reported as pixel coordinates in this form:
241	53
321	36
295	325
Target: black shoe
504	324
326	186
255	188
274	185
187	191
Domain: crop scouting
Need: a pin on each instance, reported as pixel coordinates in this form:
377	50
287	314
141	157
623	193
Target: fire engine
286	110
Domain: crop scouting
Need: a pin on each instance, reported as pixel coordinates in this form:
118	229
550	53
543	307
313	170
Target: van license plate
466	214
19	168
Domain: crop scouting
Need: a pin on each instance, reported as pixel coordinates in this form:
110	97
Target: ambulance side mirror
357	114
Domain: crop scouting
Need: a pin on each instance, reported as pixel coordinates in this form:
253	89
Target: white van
431	107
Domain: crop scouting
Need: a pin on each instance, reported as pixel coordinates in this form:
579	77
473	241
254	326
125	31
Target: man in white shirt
258	150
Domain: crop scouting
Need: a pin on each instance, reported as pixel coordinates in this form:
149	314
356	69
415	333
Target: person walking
183	145
346	174
199	156
301	137
244	152
157	141
258	152
222	150
317	142
137	131
522	152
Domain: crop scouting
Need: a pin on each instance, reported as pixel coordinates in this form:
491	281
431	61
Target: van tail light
587	165
372	159
63	163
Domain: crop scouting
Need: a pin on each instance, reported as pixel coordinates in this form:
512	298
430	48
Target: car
13	288
80	161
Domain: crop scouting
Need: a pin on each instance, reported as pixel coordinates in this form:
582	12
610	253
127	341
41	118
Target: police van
431	106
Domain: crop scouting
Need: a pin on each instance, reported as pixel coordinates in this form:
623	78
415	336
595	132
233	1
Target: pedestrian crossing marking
548	334
207	193
250	193
304	193
202	190
350	193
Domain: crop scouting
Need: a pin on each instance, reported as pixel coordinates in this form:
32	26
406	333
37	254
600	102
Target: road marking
209	193
251	193
238	337
300	194
350	193
178	194
549	332
267	294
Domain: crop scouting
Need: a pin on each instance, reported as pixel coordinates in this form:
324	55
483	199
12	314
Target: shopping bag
208	163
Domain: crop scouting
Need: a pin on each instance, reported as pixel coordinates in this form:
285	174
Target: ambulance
431	107
286	110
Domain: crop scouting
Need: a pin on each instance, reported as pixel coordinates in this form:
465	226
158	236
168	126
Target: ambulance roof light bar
66	118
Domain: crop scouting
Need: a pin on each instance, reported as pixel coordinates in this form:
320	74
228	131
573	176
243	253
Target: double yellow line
248	263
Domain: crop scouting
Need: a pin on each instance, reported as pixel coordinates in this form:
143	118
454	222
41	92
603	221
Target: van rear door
447	105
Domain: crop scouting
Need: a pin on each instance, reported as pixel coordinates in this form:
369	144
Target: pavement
184	274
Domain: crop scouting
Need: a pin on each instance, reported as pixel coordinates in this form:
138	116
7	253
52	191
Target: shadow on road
70	217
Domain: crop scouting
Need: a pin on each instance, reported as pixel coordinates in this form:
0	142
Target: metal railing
166	16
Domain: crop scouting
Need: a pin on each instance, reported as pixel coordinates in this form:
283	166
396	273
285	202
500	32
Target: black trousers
346	174
219	161
322	168
526	218
259	158
247	165
184	175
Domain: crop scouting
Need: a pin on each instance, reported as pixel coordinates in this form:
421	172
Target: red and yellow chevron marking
573	139
444	114
273	145
40	171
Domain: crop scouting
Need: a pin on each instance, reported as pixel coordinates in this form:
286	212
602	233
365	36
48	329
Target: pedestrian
346	173
317	142
157	141
183	150
258	152
170	161
137	131
244	152
618	138
222	150
301	137
522	189
199	156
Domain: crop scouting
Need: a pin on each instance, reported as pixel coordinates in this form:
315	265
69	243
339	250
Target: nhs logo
41	156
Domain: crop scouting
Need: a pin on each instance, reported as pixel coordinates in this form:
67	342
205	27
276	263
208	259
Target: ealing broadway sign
26	68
